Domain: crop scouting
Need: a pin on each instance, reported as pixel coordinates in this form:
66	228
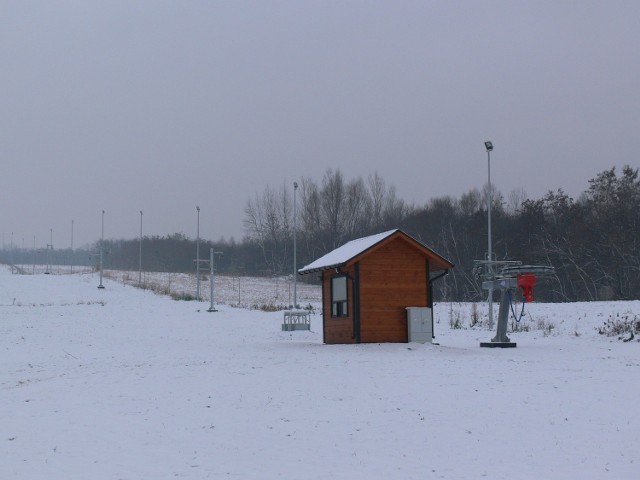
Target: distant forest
592	241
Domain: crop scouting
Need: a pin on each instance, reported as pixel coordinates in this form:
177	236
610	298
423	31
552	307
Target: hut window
339	296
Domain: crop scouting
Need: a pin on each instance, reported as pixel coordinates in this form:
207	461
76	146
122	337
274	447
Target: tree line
592	241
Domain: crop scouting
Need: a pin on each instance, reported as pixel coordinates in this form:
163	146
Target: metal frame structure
296	320
212	279
506	281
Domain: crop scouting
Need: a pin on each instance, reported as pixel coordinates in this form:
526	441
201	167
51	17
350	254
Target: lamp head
489	146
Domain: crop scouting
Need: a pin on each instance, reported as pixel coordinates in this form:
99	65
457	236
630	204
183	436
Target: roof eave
321	269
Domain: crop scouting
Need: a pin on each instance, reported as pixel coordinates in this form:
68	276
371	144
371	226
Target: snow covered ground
122	383
247	292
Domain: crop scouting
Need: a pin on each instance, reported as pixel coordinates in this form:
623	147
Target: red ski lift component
526	281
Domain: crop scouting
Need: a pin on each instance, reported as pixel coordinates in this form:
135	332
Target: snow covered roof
352	249
346	252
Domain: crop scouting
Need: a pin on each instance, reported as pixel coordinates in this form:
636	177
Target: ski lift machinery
510	275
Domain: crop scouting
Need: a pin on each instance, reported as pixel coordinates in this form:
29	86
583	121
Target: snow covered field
122	383
248	292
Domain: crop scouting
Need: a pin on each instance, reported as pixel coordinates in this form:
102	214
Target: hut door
340	326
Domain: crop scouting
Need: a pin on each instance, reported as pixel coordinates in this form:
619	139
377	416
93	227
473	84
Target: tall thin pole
11	255
211	280
198	257
489	249
49	248
295	253
140	256
101	250
71	259
212	286
33	271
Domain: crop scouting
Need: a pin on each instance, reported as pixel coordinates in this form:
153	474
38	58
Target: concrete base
498	344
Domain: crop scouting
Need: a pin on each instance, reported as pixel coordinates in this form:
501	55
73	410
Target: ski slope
123	383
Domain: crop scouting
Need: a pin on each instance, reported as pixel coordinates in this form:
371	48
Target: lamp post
49	249
101	250
198	257
489	146
140	255
295	253
71	255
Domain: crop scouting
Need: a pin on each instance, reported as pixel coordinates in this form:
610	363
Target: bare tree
514	200
378	193
332	197
471	202
357	209
310	216
267	221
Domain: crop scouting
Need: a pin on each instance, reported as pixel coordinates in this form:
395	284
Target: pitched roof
342	255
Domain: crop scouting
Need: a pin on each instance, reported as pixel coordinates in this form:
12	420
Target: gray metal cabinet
420	324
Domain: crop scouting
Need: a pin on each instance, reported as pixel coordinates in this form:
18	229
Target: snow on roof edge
346	252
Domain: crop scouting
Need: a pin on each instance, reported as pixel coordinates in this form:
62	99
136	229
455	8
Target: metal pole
11	254
49	248
101	250
295	253
71	259
140	256
212	293
198	257
33	272
211	309
489	250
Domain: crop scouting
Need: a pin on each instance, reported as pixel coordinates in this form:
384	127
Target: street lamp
198	257
295	232
489	146
101	250
49	249
140	256
71	255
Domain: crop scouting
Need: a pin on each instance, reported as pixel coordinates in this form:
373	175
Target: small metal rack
296	320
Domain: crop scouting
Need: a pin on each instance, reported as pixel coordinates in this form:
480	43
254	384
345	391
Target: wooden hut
368	284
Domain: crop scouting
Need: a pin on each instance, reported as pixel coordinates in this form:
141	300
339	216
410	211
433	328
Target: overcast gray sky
164	105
